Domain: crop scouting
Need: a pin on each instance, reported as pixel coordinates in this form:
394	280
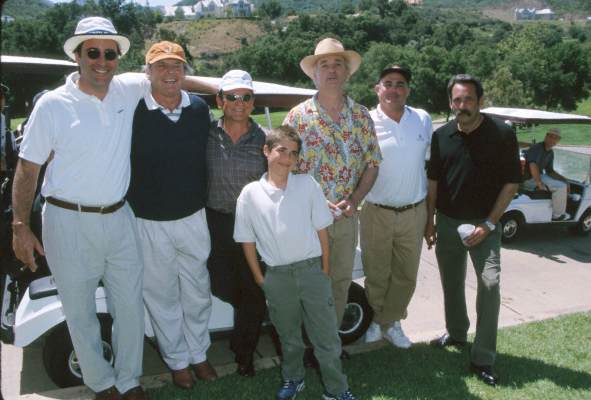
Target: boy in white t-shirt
284	217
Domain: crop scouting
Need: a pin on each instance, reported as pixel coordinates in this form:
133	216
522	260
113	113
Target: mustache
462	112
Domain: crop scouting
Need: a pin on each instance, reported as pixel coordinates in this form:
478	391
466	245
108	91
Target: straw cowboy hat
95	28
330	47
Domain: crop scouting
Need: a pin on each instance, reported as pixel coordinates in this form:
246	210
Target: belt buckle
101	209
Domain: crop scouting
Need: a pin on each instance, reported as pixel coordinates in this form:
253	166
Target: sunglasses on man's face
233	97
93	53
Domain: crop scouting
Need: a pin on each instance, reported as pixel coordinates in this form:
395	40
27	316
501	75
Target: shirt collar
152	104
272	191
382	115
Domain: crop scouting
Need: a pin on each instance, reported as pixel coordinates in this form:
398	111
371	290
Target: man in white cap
540	173
167	194
394	215
340	150
234	158
84	129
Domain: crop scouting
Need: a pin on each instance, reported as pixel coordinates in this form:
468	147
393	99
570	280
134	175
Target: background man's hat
165	50
330	47
554	131
405	72
95	28
236	79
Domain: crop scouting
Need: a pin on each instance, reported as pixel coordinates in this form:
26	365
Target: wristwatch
491	227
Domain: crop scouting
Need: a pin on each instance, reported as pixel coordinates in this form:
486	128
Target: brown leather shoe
183	378
108	394
136	393
204	371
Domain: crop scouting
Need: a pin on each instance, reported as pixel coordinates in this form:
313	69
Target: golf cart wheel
583	227
511	224
357	317
59	358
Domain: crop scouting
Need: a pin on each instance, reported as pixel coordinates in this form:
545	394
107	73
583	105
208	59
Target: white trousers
83	249
176	286
559	193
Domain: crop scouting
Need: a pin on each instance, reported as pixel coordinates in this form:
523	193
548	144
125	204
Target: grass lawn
543	360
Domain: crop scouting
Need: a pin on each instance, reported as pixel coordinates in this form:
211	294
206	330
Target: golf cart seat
536	194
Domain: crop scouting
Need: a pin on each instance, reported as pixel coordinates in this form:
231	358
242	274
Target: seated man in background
540	173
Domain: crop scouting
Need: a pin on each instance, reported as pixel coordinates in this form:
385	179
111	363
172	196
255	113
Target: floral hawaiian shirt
335	154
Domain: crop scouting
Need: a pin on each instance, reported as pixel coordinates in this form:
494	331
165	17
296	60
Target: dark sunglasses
93	53
233	97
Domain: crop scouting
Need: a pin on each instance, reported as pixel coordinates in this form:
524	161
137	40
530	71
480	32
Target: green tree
271	9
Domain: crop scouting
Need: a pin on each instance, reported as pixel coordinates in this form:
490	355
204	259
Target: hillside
24	8
211	37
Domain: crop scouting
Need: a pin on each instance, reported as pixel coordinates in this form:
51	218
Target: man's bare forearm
368	178
503	200
23	190
431	200
194	84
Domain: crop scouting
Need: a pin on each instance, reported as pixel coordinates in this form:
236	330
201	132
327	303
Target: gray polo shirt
543	158
230	166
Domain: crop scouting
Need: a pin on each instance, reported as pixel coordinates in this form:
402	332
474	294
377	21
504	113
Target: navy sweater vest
168	174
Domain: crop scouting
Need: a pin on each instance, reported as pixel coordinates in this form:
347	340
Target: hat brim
352	58
73	42
167	57
237	86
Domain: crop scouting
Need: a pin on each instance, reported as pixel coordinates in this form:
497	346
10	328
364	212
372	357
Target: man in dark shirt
540	173
234	158
167	195
473	174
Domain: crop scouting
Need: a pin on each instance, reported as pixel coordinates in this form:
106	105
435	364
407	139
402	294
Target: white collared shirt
173	115
90	140
283	223
405	147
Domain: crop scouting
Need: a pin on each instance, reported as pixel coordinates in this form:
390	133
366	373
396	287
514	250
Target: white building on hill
212	9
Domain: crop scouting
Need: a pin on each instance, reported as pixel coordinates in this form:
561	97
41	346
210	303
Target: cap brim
351	57
73	42
166	57
237	86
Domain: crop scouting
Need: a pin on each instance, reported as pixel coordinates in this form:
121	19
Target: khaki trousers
300	293
342	236
391	244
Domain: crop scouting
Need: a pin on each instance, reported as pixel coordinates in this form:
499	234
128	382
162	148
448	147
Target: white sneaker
374	333
396	336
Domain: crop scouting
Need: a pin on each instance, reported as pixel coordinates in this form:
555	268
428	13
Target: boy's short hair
275	135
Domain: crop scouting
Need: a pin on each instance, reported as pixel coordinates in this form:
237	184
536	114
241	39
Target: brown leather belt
77	207
398	209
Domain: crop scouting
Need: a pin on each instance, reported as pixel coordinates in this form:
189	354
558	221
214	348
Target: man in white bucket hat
89	233
340	150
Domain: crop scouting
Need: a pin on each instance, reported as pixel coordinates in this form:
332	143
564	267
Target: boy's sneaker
396	336
374	333
343	396
290	389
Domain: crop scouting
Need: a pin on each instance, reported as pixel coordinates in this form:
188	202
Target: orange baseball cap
165	50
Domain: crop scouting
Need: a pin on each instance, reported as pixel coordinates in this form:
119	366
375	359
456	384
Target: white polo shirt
283	223
402	179
90	140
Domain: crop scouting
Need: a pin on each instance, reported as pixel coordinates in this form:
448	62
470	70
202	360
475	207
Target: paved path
545	274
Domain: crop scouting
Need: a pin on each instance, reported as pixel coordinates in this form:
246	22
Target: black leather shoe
310	360
445	341
485	374
245	365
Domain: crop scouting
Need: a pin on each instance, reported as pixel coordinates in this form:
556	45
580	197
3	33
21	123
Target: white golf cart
534	207
28	314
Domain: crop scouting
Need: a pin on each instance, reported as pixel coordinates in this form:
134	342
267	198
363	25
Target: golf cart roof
269	94
525	116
